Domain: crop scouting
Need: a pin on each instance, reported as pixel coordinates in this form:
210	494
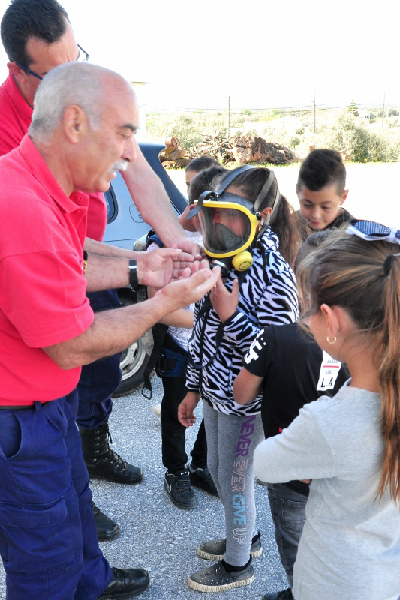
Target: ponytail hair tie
387	265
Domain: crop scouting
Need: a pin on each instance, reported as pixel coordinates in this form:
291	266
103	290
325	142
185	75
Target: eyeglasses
371	231
83	57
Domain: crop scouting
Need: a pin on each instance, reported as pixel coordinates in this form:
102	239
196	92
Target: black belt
20	406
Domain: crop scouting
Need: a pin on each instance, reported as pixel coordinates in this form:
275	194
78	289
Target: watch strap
133	274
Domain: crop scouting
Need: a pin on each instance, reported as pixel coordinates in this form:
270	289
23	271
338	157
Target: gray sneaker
179	489
215	549
217	579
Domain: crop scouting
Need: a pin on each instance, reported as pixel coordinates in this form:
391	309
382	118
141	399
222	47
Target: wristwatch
133	275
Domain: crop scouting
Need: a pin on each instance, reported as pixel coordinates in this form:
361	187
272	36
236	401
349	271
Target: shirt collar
24	110
46	179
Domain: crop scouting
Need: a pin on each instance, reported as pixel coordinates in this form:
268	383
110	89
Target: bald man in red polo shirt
82	131
37	37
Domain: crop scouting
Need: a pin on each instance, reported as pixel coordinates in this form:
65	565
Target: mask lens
224	229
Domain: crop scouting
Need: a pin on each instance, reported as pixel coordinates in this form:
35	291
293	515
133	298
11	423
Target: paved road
154	533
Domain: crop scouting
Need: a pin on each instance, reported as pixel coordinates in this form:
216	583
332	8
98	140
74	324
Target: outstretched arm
114	330
150	197
153	269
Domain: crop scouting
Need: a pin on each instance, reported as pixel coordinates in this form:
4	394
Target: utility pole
383	106
229	116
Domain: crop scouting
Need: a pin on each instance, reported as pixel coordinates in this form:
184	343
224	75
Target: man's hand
189	246
156	269
185	291
186	409
223	301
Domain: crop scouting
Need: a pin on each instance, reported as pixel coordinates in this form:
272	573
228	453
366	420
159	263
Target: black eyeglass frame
27	70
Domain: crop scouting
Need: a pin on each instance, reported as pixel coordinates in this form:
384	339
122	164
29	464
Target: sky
260	53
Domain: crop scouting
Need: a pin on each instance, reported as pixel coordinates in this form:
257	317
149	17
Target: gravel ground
155	534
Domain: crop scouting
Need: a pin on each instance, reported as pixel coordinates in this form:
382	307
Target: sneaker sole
177	504
123	482
208	556
199	587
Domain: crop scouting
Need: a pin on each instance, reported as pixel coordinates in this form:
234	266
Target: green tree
361	144
352	108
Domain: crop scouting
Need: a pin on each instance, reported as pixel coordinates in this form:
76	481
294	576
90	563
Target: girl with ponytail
349	445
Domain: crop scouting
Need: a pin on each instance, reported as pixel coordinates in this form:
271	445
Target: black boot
106	528
104	463
126	583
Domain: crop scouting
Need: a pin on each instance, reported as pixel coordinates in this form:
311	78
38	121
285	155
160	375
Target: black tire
133	363
134	359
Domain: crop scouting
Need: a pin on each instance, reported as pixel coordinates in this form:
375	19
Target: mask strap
276	203
231	177
260	198
204	196
264	191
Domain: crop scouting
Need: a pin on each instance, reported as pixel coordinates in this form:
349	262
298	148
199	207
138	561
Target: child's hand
192	224
223	301
186	409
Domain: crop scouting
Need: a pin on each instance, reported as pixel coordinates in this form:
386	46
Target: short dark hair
322	168
44	19
201	163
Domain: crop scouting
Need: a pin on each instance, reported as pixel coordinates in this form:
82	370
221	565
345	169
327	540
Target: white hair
72	83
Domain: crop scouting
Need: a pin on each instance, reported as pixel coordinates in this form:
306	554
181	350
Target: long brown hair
357	275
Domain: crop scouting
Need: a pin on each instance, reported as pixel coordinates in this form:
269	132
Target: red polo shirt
42	287
15	119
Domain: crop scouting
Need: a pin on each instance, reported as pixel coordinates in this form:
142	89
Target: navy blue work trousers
48	539
99	379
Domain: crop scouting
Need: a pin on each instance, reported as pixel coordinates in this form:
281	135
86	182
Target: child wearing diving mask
235	220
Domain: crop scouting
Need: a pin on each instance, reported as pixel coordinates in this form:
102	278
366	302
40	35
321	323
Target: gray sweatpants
231	442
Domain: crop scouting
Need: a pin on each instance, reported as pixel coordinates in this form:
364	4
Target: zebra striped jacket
267	296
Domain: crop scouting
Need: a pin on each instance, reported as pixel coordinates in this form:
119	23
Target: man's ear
75	123
19	74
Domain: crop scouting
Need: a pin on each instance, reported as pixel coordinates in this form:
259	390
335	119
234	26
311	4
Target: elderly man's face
110	145
44	57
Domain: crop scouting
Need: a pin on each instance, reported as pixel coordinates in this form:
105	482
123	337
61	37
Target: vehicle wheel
135	358
133	363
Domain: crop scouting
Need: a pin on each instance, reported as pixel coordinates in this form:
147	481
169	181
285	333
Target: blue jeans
99	379
288	515
48	539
